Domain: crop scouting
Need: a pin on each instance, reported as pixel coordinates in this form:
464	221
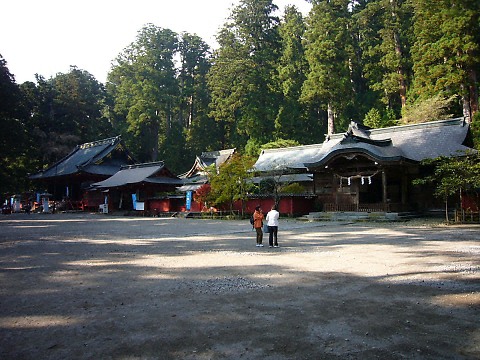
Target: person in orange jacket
258	224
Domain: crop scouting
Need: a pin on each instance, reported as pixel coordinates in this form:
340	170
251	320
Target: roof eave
385	160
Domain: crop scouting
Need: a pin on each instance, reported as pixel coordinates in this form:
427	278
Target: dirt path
80	286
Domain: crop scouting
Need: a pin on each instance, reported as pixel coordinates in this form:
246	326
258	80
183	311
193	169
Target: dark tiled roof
134	174
285	178
291	157
191	187
216	157
428	140
207	159
89	158
398	143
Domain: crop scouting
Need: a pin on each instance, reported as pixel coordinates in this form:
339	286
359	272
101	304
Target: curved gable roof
428	140
207	159
134	174
290	157
90	158
412	143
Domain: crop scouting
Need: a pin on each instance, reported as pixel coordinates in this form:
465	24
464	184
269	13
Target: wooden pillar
384	189
356	188
404	189
338	185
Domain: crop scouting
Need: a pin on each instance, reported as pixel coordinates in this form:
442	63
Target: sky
46	37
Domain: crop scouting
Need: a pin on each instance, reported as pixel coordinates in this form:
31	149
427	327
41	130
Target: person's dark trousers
259	235
272	235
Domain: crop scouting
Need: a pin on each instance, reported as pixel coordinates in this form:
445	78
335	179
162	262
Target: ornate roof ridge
111	140
142	165
218	152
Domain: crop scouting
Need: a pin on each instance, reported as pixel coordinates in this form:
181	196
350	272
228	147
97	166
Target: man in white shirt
272	223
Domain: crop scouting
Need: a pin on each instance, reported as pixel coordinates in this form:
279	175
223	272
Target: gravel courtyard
90	286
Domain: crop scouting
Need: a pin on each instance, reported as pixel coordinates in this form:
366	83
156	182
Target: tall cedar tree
385	36
12	136
201	130
330	53
78	105
446	51
145	88
242	75
292	118
64	111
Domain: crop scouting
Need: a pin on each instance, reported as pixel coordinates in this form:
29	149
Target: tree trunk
446	209
473	89
190	112
155	138
466	109
465	105
331	120
399	53
192	102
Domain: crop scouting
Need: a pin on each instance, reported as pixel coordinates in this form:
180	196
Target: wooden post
356	188
404	190
384	189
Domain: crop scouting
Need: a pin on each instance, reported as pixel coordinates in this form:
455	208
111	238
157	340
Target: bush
294	188
267	186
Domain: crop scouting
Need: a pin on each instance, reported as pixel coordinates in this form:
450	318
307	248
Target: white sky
47	36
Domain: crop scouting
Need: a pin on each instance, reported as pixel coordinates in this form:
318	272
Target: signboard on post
189	200
134	201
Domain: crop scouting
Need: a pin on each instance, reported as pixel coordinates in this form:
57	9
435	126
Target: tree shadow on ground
96	294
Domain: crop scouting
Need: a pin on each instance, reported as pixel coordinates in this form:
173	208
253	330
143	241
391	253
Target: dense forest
276	76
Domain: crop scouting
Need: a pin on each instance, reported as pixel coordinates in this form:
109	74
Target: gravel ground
90	286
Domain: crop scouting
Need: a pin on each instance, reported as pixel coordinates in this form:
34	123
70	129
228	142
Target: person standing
258	224
272	223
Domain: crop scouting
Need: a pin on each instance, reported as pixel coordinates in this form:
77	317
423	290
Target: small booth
103	208
44	200
16	203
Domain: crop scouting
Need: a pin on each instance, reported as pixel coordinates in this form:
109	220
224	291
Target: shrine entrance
357	182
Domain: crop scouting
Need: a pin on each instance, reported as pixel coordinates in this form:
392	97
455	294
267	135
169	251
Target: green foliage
280	143
375	119
9	112
173	148
12	136
435	108
253	147
329	51
452	175
267	186
79	101
201	131
64	111
292	116
144	85
475	128
385	41
241	78
446	53
293	188
46	120
231	182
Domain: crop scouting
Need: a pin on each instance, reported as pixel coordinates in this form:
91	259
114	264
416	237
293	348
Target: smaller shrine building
368	169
